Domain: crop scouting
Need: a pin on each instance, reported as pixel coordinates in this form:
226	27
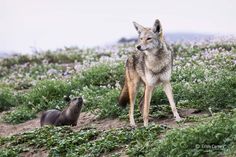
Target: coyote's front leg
169	94
147	100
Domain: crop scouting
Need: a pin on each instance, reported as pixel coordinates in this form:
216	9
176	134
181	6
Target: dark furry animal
68	116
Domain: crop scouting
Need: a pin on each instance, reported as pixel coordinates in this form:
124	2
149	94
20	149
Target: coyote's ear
157	27
138	27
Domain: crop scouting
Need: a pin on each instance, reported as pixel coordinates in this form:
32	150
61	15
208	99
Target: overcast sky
50	24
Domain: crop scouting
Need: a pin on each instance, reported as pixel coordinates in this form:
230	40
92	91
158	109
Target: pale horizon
51	24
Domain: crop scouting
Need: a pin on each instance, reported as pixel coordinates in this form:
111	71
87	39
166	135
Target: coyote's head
149	38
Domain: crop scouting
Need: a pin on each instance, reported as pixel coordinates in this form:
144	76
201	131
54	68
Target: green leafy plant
8	99
209	139
19	115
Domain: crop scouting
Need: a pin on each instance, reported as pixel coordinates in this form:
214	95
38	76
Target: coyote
151	65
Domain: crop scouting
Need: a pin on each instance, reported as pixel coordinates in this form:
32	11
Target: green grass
103	94
41	95
102	75
8	98
89	142
90	84
46	94
208	139
19	115
203	77
66	55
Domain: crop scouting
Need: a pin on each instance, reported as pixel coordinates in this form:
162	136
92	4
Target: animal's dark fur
68	116
124	96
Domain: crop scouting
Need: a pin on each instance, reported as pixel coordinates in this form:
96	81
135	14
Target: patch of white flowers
212	56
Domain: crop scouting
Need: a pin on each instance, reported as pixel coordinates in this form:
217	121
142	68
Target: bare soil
88	119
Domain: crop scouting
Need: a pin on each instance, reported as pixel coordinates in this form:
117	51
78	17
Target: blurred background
29	25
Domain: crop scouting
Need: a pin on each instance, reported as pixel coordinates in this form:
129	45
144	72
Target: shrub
8	99
92	95
199	140
219	94
19	115
69	55
47	94
89	142
62	57
102	98
108	106
8	152
102	75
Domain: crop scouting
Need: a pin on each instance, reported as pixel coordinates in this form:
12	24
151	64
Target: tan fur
151	65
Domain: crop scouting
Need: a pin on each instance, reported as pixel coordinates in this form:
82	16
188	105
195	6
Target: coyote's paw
133	126
178	119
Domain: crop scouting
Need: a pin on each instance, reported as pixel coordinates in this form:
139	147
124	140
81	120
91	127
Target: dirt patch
35	153
88	119
191	111
8	129
92	121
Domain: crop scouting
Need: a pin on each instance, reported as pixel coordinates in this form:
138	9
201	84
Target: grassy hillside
203	79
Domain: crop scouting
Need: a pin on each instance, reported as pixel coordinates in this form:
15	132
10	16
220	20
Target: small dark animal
68	116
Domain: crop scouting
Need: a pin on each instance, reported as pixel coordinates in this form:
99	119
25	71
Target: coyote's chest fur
153	69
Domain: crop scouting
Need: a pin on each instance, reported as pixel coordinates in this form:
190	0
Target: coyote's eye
149	38
141	38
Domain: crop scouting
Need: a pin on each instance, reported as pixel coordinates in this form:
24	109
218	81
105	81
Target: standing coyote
151	65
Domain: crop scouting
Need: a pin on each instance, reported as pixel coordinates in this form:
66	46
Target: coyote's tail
124	96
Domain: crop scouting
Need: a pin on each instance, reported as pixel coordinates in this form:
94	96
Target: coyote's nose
139	47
